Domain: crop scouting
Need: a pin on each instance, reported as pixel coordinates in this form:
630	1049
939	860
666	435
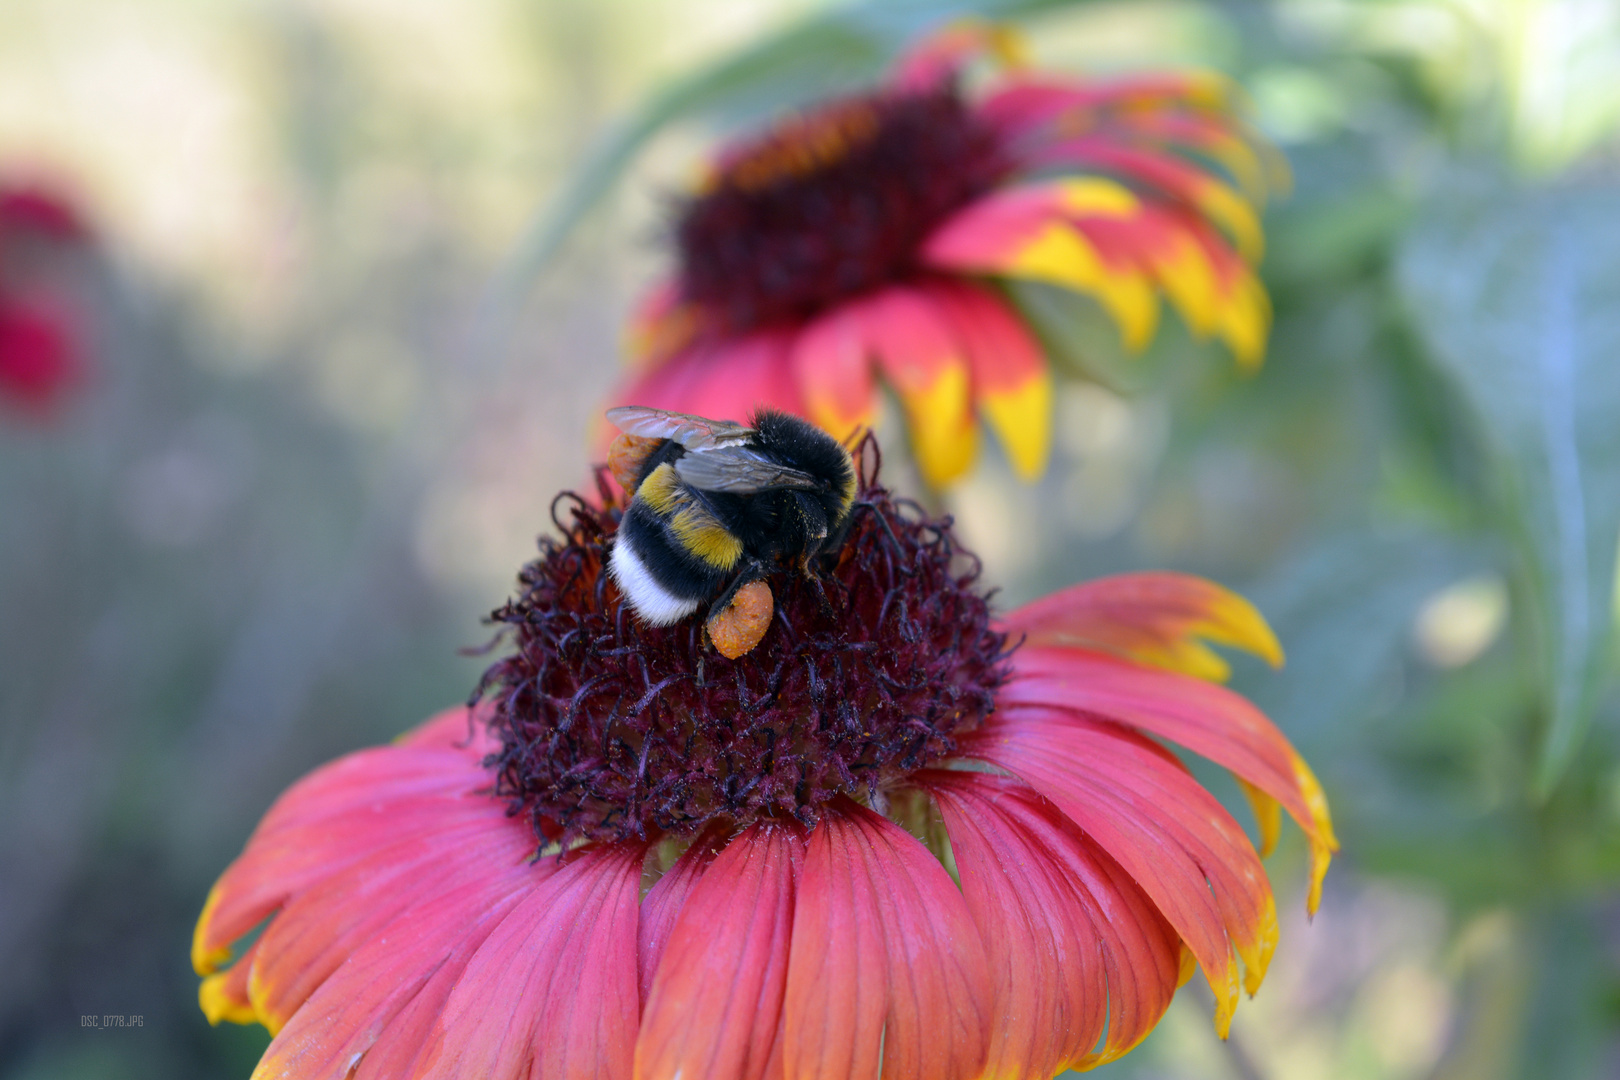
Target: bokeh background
347	297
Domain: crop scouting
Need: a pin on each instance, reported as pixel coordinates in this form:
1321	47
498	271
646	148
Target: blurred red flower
861	238
41	357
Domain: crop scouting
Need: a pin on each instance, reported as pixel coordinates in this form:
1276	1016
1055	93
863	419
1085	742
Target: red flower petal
1170	175
940	57
459	728
39	362
927	368
1155	618
552	991
376	1012
225	996
1028	232
887	966
1170	834
35	210
320	928
1074	943
833	370
333	818
1028	102
1011	385
724	380
716	999
1208	720
662	905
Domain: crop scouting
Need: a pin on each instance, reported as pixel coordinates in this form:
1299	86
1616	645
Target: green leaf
1517	296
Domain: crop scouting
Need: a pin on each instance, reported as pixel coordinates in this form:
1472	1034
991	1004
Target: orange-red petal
1010	383
832	368
726	379
928	370
940	56
715	1004
1074	944
552	991
1153	818
1208	720
1154	617
372	1018
332	819
1026	102
320	928
887	967
1027	232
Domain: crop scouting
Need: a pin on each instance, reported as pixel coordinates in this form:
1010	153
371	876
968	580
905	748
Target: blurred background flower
860	236
337	360
41	358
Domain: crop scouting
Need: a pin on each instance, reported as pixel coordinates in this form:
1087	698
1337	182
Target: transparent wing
738	470
692	432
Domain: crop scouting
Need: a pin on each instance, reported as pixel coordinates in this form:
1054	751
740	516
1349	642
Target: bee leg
752	570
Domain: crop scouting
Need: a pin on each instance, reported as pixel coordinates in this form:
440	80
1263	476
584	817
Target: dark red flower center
869	670
830	203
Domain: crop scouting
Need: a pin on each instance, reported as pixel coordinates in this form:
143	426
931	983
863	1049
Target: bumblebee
717	506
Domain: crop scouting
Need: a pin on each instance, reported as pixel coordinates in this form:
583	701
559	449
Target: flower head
899	830
863	237
41	359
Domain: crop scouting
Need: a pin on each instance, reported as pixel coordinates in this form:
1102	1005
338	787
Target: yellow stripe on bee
700	534
661	490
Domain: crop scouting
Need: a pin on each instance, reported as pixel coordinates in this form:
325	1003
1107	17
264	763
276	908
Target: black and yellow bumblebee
718	505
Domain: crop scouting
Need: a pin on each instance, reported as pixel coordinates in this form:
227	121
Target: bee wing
738	470
692	432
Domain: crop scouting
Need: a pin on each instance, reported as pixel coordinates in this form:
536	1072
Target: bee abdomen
659	572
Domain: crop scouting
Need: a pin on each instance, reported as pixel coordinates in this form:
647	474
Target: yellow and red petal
332	819
1209	720
1010	382
1172	176
832	368
320	928
715	1004
375	1015
1075	946
552	991
1028	233
1245	309
886	965
1153	617
224	995
929	372
1255	171
940	56
1024	103
1173	837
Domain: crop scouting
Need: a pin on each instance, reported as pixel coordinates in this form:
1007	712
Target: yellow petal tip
219	1006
